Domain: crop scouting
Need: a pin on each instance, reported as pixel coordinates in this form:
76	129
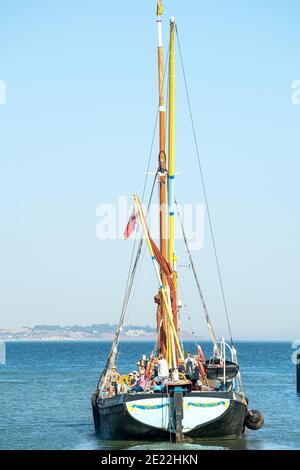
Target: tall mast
171	153
162	323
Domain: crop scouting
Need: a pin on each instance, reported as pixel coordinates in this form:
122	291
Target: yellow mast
171	168
171	147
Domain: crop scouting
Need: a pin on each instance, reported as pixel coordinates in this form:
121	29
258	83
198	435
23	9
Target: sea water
45	390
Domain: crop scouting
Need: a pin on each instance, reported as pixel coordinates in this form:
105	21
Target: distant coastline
99	332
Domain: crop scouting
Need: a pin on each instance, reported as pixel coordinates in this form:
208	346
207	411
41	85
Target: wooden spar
162	323
171	160
171	147
162	289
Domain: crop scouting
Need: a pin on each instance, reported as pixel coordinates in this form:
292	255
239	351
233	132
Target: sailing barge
214	404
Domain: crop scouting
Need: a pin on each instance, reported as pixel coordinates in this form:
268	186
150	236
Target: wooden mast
171	160
161	319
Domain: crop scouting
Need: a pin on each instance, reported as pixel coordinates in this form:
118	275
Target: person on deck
142	380
162	370
181	367
140	383
135	376
189	366
131	380
115	379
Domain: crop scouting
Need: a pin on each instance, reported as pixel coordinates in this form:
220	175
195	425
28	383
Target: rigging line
183	306
133	267
204	189
114	349
179	317
150	154
187	312
209	324
143	194
134	288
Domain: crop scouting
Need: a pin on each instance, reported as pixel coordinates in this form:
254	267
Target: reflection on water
184	446
240	444
246	442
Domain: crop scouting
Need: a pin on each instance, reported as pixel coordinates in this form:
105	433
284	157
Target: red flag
130	226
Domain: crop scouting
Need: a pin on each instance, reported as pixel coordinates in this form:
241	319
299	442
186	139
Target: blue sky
75	132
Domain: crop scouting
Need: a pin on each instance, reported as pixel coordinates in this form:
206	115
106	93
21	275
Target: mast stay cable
185	307
204	189
131	276
209	324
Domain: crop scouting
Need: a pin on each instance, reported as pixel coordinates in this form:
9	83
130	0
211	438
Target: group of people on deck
152	373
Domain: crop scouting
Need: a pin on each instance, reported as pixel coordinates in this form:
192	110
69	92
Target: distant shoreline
133	340
94	332
105	333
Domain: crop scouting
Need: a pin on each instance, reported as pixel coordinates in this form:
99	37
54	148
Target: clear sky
75	132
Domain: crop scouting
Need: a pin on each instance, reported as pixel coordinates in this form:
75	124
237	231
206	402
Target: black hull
112	420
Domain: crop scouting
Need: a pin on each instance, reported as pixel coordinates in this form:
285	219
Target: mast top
159	8
172	19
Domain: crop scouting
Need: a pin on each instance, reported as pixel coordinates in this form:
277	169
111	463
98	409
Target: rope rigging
209	324
185	307
131	276
204	189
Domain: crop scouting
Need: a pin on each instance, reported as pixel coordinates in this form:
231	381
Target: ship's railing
224	349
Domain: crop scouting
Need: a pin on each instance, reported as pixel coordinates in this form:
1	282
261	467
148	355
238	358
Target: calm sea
45	390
